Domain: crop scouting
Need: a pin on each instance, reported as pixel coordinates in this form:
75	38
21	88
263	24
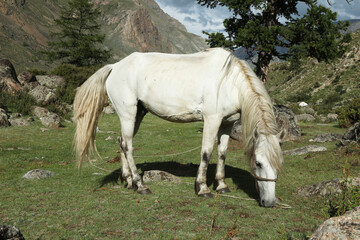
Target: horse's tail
89	102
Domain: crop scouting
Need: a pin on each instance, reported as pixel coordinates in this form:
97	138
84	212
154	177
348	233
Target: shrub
349	114
74	76
19	102
302	95
349	197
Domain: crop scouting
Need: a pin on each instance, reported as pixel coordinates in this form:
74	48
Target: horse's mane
257	115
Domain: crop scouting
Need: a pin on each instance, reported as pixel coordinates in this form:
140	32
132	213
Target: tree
255	26
318	35
79	40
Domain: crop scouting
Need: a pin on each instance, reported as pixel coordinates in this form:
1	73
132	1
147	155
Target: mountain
129	25
324	86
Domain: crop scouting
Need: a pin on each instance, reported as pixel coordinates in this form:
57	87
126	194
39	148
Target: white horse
211	86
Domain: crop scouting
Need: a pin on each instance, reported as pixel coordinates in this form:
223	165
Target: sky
198	18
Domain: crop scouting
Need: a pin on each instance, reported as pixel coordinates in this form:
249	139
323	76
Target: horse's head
266	162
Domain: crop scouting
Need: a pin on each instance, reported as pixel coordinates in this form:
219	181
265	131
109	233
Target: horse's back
174	86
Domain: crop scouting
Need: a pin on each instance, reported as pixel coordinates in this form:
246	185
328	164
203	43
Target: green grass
69	206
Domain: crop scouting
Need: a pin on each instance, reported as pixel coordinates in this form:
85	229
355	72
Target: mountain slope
129	25
325	86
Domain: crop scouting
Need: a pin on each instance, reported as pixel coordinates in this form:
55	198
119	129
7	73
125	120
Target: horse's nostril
262	202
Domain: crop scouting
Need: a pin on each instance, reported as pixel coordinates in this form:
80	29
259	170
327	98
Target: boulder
4	121
303	104
351	136
157	176
330	187
51	81
304	150
8	232
344	227
19	122
38	173
332	117
28	80
305	117
51	120
326	137
8	79
286	120
47	118
42	94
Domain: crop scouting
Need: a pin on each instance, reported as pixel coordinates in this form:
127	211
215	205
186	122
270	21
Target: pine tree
78	41
255	25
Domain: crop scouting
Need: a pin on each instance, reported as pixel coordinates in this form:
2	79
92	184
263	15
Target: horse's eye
258	164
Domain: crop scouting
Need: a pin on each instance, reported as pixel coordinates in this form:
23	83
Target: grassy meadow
95	204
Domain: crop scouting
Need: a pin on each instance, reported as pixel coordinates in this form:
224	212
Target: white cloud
198	18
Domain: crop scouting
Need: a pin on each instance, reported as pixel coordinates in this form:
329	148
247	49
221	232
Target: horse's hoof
206	195
223	190
145	191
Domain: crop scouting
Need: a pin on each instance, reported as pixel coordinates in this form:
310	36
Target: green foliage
318	35
79	41
349	197
35	71
349	114
19	102
217	40
75	76
302	95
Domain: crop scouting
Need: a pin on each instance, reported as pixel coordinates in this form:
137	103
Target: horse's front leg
211	127
223	140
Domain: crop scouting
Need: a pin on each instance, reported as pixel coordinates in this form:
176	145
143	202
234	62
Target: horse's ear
281	134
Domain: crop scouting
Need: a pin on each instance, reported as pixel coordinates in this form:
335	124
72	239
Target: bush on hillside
349	114
74	76
19	102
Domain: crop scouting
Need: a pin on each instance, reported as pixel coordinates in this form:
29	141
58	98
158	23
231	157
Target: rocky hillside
324	86
129	25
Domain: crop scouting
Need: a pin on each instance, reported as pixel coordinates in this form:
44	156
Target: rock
330	187
38	173
305	117
8	232
42	94
4	121
8	80
157	176
286	120
19	122
326	137
236	131
308	110
109	138
51	81
332	117
109	110
39	111
351	136
47	118
28	80
304	150
303	104
51	120
344	227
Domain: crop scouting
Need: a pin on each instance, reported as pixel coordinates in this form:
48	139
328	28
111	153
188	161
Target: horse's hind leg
129	127
211	127
223	140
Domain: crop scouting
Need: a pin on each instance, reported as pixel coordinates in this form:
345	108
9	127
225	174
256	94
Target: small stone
38	173
304	150
158	176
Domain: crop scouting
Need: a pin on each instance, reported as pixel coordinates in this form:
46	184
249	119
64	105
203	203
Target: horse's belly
173	112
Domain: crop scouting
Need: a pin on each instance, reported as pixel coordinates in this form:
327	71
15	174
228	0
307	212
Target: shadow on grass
242	179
